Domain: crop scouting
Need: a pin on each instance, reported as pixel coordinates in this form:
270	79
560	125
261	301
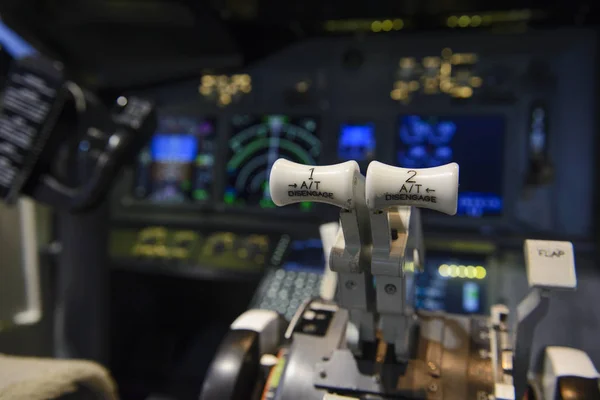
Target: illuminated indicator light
445	69
229	198
476	21
242	253
306	205
205	90
302	87
444	270
267	203
462	271
398	94
446	85
245	79
225	99
208	80
398	24
400	85
471	273
480	272
452	21
447	53
409	267
464	21
453	271
476	81
200	194
487	20
413	85
160	251
465	92
376	26
387	25
246	88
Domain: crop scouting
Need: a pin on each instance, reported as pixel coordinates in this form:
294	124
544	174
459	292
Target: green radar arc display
255	144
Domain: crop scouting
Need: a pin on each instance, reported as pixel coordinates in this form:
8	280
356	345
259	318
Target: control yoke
380	239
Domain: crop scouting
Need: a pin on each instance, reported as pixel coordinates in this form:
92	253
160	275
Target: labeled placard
550	264
332	184
433	188
28	109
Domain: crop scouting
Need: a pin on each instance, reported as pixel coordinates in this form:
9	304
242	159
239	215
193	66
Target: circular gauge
257	142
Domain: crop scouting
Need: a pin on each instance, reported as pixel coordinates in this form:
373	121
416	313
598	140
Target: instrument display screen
255	144
356	142
475	142
177	166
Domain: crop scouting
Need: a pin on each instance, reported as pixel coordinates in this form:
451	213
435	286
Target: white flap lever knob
332	184
434	188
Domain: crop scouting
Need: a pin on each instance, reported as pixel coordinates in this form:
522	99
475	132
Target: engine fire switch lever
341	185
392	196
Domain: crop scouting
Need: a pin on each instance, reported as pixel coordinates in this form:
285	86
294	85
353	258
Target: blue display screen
356	142
305	255
174	148
475	142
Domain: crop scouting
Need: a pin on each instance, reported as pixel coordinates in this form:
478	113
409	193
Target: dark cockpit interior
145	273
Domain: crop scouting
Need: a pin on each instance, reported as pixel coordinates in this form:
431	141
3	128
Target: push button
433	188
332	184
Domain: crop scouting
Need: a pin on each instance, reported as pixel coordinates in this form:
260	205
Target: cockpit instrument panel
177	166
475	142
255	144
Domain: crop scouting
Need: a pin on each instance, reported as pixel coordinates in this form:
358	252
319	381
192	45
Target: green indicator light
200	194
306	205
267	203
229	198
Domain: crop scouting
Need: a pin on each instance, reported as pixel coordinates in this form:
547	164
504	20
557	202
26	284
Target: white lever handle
433	188
332	184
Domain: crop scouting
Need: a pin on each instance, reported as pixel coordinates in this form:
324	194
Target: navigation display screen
476	143
356	142
177	166
305	256
256	143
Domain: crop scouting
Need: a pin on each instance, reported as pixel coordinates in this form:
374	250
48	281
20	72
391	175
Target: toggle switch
332	184
434	188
